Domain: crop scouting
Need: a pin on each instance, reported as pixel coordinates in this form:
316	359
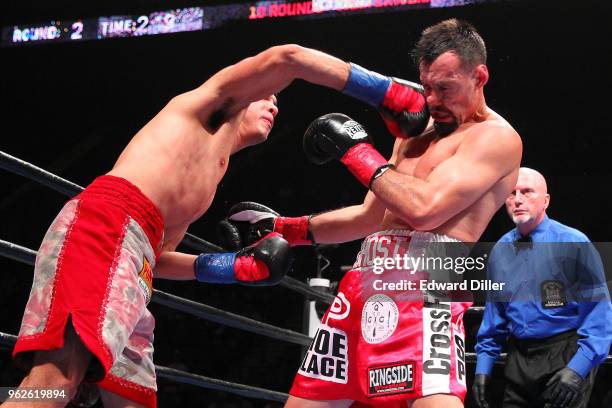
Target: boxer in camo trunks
86	317
440	187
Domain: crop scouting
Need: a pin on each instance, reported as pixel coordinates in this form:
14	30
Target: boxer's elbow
421	221
425	223
426	215
288	51
285	56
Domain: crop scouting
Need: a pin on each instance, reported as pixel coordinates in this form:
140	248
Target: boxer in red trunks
86	317
387	348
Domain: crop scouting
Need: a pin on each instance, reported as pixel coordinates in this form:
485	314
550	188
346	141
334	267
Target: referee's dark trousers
531	363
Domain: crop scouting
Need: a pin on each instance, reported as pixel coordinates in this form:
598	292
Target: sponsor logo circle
378	318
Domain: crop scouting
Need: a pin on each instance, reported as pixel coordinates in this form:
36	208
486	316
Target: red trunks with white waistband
386	344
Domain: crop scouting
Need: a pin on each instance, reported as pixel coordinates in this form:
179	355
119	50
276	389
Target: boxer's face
529	200
258	120
451	90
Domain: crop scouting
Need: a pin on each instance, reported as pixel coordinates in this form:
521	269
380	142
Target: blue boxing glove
400	103
265	262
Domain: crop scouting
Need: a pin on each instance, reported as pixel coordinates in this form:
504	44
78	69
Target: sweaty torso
419	157
177	162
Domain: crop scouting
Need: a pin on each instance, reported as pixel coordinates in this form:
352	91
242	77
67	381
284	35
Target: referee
554	312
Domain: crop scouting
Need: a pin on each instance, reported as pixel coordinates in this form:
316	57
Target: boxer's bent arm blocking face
481	160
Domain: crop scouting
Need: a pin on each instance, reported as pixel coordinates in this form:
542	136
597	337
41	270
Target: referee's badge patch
553	294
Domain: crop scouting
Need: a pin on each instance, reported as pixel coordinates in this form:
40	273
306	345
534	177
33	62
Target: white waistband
400	243
421	236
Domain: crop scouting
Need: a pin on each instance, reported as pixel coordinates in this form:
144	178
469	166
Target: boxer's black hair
457	36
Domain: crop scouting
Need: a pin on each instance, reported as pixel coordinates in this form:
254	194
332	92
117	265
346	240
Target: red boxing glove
401	103
294	230
404	109
247	222
365	163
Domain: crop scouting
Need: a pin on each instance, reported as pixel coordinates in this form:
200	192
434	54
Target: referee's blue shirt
554	284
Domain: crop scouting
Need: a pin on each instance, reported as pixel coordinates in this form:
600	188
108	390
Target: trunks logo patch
339	309
327	356
378	318
390	379
553	294
145	280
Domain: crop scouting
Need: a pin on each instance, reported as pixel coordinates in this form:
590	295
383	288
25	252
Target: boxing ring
27	256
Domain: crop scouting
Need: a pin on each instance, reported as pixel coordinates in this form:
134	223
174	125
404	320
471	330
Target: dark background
71	108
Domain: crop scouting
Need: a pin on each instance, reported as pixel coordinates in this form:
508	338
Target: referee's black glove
480	389
563	388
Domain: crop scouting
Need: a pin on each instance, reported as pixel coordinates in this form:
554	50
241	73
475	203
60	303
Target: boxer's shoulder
495	122
494	129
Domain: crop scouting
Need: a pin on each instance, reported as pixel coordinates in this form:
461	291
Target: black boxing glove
479	389
336	136
401	103
264	263
248	222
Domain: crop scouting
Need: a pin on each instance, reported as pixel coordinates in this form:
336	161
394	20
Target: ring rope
229	319
8	341
70	189
10	250
308	291
25	169
25	255
17	252
28	256
220	385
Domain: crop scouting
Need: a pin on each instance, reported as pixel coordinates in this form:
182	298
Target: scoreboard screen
157	22
201	18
